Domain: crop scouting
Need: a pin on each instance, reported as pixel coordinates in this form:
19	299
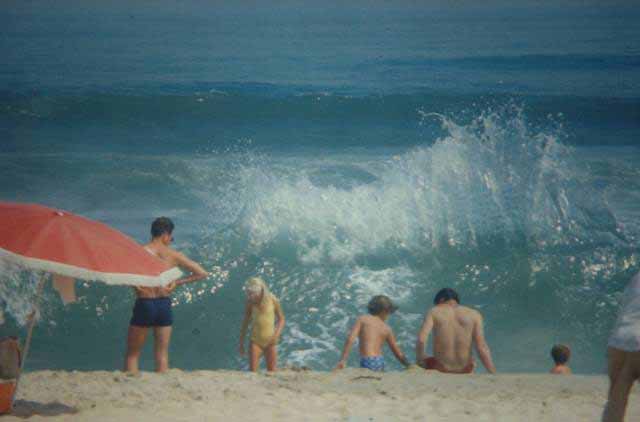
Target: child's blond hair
257	285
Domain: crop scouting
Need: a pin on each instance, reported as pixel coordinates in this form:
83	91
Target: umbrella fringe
84	274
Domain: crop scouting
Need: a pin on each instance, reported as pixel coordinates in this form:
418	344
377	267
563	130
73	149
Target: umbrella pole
32	323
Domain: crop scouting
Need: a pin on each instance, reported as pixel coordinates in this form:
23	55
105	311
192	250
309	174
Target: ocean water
340	152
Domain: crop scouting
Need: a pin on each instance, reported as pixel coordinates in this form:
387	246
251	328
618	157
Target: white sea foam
17	291
494	177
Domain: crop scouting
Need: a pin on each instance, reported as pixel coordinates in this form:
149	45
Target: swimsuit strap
146	248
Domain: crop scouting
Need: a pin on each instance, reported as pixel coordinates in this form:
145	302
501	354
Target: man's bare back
452	334
174	259
456	329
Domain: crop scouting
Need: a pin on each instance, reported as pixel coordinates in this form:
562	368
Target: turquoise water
341	152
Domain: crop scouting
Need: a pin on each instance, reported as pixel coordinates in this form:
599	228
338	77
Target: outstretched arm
197	272
423	336
482	348
355	332
243	328
391	341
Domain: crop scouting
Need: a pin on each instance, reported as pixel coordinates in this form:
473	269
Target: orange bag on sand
9	370
6	394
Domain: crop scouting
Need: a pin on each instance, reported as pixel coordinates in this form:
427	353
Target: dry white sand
351	395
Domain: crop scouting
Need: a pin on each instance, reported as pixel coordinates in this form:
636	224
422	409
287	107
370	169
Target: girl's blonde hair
257	285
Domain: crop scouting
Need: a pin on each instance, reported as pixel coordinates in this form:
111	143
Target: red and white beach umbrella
45	239
69	246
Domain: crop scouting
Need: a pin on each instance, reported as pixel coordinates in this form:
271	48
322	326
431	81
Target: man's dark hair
560	354
160	226
445	295
379	304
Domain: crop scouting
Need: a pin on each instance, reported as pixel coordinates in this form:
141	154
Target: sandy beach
351	395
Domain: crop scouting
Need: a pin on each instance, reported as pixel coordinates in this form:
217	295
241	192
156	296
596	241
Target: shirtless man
153	304
372	333
455	329
624	353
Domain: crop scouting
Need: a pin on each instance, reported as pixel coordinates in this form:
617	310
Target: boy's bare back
374	332
561	370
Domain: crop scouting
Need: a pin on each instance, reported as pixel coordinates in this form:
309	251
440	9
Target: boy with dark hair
561	354
160	226
372	332
153	304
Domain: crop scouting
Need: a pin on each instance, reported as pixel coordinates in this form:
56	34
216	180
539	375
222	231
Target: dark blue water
340	152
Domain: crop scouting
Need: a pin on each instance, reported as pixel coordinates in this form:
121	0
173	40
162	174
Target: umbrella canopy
59	242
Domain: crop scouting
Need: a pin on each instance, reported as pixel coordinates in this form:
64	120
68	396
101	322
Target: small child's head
381	306
256	290
560	354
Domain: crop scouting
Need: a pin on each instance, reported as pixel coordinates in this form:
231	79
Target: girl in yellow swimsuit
261	310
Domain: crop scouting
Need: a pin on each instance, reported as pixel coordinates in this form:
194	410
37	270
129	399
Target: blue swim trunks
152	312
375	363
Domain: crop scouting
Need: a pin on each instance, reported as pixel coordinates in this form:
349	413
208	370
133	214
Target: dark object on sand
9	371
9	358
